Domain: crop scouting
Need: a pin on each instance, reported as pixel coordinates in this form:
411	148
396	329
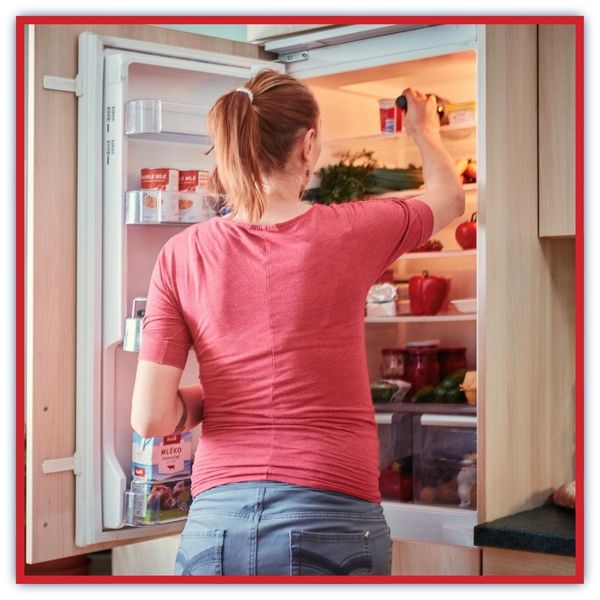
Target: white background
306	7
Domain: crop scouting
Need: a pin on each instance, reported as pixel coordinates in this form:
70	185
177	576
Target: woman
271	297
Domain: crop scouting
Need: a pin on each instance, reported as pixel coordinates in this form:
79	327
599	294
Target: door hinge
58	465
290	57
63	84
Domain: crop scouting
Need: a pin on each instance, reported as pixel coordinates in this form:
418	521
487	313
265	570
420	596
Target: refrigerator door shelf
161	207
167	121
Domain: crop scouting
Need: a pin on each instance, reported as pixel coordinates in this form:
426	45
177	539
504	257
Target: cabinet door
421	558
556	84
498	561
51	268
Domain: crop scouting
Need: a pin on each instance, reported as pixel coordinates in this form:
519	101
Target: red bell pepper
427	294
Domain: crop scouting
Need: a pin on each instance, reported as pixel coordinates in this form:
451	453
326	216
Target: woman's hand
421	118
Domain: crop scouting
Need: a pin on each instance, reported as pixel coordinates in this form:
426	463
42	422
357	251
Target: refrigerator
144	105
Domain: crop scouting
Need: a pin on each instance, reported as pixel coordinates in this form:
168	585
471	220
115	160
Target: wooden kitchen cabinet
422	558
499	561
525	292
51	264
557	162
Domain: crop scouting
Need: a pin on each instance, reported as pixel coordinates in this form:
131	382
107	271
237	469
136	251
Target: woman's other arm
156	409
444	193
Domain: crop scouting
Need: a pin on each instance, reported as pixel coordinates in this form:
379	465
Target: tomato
466	233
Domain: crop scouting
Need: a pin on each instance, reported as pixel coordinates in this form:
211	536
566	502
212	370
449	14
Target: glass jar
423	368
393	363
452	360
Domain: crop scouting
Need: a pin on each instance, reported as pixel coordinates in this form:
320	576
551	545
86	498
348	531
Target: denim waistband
279	498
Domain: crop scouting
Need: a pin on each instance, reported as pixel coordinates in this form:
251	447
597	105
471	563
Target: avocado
425	394
455	396
440	394
453	381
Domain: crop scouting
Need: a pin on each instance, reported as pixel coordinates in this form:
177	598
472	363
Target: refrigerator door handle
449	420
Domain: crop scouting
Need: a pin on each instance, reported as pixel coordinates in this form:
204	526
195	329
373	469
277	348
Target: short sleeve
387	228
165	335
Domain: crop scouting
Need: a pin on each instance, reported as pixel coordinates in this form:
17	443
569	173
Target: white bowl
465	305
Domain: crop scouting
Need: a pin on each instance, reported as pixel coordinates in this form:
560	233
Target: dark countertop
549	529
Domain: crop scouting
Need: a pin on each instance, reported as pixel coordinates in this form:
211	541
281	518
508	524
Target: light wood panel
423	558
526	291
50	512
556	55
499	561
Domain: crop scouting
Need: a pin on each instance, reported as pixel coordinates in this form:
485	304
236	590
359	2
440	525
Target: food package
157	459
160	206
381	300
191	207
147	503
469	387
565	495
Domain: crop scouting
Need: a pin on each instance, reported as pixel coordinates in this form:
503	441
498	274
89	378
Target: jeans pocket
330	553
200	553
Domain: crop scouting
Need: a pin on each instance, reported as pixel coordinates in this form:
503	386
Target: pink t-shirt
275	314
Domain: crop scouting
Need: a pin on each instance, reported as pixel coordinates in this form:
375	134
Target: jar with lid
393	363
423	368
452	360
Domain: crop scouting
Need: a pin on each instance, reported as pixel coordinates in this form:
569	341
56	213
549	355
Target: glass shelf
450	131
467	187
153	119
421	319
440	254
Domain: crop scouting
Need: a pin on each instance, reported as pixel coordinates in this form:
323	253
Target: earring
307	172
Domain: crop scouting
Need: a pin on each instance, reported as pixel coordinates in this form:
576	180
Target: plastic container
441	445
387	115
465	305
461	113
155	117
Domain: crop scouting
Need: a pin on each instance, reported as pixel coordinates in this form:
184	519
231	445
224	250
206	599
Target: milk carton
161	458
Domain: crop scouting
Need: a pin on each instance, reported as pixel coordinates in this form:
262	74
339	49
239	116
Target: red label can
190	181
160	179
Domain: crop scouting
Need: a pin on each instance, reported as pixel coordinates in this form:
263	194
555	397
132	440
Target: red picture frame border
23	21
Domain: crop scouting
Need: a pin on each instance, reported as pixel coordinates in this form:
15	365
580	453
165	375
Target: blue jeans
276	528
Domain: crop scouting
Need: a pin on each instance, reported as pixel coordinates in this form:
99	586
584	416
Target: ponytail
254	133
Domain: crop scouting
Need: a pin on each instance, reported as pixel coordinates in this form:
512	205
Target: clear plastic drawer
445	460
156	119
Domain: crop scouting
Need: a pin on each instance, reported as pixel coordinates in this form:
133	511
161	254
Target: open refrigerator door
142	107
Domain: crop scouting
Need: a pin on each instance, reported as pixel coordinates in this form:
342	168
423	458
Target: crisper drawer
445	460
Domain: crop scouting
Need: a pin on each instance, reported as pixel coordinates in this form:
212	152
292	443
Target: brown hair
254	135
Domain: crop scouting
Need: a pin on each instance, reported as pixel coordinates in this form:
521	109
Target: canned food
160	207
190	181
160	179
190	207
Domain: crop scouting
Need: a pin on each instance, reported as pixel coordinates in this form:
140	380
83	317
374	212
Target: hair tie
246	91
